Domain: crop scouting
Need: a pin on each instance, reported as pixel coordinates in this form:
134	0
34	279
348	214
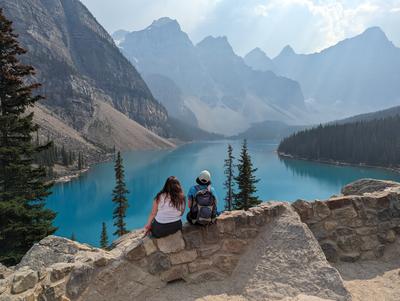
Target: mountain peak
374	32
220	43
287	50
165	22
257	53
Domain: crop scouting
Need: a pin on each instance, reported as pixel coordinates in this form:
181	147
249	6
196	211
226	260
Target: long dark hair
173	188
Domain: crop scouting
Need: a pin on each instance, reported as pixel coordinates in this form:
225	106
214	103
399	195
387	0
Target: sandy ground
375	280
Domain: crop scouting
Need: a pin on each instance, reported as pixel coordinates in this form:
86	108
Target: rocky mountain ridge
215	85
85	78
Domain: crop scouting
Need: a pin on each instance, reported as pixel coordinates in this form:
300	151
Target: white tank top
167	213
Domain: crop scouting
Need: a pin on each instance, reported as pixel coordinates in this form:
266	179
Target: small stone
235	246
200	265
158	262
345	213
4	271
202	276
226	223
379	251
193	239
247	233
330	251
53	292
183	257
210	234
59	271
330	225
100	261
369	242
349	243
149	246
322	210
208	250
23	280
350	257
135	251
341	231
3	285
79	279
391	236
172	243
226	262
175	273
304	209
384	215
258	218
366	230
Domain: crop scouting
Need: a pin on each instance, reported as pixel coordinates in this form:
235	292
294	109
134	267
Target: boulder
23	280
149	246
50	250
135	251
330	251
175	273
172	243
200	265
183	257
79	279
345	214
59	270
5	271
158	262
304	209
321	210
3	285
362	186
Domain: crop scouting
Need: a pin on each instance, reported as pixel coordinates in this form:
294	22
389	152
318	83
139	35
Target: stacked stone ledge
59	269
357	225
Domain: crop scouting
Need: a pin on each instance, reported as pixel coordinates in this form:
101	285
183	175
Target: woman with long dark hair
168	208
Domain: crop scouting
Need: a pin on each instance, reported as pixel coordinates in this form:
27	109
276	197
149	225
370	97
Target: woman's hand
147	228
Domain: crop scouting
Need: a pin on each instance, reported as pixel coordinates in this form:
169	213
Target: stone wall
59	269
357	225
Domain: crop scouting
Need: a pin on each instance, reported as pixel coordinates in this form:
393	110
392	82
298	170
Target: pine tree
119	198
64	156
24	220
246	182
229	183
80	161
103	237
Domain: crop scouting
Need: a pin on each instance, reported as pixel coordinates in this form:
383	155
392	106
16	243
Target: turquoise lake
84	203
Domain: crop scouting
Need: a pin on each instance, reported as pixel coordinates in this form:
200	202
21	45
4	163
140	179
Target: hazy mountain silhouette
216	85
359	74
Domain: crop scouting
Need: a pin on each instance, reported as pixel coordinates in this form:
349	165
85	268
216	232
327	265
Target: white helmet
205	177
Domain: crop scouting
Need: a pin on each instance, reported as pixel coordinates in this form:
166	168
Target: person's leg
162	230
156	229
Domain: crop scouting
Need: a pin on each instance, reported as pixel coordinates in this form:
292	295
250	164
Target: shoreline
338	163
75	174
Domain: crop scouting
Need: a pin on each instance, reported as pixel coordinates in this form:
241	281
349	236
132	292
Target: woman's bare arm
152	215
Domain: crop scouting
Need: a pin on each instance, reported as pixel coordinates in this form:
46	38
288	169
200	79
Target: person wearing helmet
202	201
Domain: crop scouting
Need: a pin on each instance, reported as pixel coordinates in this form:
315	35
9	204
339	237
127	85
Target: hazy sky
307	25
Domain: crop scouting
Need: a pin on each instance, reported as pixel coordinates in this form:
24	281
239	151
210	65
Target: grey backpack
205	207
